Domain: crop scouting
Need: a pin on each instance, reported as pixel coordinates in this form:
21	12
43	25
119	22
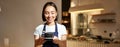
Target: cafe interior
89	23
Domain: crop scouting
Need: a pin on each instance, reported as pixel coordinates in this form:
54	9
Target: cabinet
104	18
66	21
66	15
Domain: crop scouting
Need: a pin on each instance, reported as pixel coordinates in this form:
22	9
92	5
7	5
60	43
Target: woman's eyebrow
53	11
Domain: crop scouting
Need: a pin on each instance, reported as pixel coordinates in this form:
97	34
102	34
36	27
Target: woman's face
50	14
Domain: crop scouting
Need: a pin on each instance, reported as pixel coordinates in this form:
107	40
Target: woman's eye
52	13
46	13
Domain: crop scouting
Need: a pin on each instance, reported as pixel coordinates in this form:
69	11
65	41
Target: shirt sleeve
64	31
38	30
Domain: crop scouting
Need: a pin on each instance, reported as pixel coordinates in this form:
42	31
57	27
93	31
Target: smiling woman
51	33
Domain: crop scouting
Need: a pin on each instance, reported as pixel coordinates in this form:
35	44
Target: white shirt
61	30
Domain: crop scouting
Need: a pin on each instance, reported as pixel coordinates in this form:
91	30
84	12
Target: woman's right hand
38	40
41	40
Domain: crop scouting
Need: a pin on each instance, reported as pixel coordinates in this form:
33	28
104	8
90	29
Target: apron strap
56	30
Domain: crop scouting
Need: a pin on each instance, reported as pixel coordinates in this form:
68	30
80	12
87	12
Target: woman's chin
50	21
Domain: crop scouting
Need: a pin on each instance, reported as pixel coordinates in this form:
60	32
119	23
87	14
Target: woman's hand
61	42
41	40
38	41
56	40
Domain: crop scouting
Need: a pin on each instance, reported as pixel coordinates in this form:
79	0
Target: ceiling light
86	8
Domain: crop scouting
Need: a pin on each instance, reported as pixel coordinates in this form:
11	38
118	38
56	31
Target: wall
18	20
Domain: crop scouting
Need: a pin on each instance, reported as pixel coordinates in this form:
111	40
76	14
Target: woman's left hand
56	40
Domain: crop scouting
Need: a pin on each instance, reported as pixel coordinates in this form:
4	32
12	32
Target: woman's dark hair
49	4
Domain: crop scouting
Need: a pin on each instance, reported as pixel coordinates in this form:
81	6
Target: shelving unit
66	15
104	18
66	21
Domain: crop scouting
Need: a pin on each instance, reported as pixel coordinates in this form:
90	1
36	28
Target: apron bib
48	37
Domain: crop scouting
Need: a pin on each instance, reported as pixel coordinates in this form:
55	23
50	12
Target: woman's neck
51	23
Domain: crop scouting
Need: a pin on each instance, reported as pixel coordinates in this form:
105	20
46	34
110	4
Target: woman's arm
62	42
64	37
38	41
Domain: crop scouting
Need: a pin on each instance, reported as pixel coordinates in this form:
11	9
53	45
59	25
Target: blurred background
89	23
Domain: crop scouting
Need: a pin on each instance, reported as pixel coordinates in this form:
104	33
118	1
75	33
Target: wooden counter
75	43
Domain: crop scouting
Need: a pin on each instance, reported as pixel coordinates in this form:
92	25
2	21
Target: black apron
49	42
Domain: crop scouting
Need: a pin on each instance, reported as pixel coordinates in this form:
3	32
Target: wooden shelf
104	14
102	22
104	18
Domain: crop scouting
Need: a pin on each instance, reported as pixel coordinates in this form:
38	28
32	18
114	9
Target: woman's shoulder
61	25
